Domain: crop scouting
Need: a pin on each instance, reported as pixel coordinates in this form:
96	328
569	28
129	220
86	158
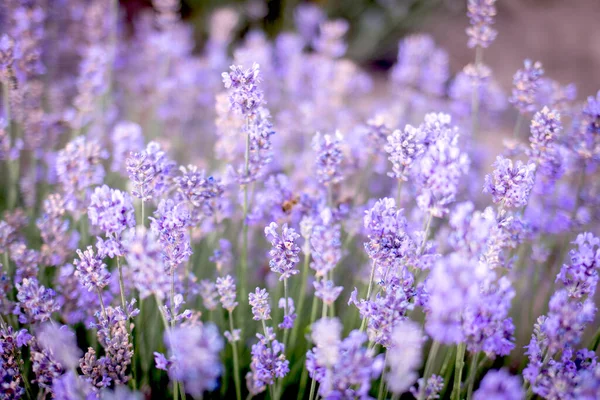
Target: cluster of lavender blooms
262	222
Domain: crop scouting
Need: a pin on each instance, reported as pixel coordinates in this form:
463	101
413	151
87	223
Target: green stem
382	384
475	98
236	362
302	294
127	324
425	233
472	375
435	347
518	124
363	324
460	363
398	193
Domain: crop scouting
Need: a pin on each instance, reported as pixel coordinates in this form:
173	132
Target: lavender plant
403	253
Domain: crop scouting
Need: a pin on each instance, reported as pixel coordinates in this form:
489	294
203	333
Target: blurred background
563	35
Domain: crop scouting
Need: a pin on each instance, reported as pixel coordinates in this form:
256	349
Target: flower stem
236	362
472	375
518	126
435	347
425	233
363	324
301	295
475	98
380	395
460	363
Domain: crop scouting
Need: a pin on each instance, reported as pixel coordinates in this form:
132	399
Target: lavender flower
226	289
481	14
284	254
404	148
499	385
150	171
11	380
289	316
387	233
343	368
245	97
91	271
209	294
259	300
510	185
200	191
404	356
327	291
545	129
326	247
54	231
60	343
126	137
36	303
268	360
170	226
111	210
526	84
580	277
78	167
329	158
330	41
194	357
591	113
222	256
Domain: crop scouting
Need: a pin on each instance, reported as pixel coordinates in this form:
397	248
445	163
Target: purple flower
71	386
61	343
510	185
545	129
284	254
591	113
499	385
170	224
404	148
209	294
35	302
481	14
387	232
91	271
111	210
268	360
226	288
330	41
580	277
329	158
289	313
344	368
326	247
526	84
245	96
194	357
222	256
11	380
78	167
126	137
144	258
404	356
200	191
150	171
413	53
259	300
59	243
327	291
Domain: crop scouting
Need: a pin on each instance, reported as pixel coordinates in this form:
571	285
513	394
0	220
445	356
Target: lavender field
260	215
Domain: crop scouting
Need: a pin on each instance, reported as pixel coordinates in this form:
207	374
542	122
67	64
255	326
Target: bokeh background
563	34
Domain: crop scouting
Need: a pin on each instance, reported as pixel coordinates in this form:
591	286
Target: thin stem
236	362
302	294
172	297
102	303
435	346
244	258
142	222
472	375
161	312
425	233
286	332
382	384
121	285
398	192
460	363
363	324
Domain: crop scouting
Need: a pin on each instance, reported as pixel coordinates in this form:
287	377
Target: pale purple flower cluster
59	243
283	257
150	171
404	148
325	245
327	291
170	224
510	184
226	288
194	357
289	316
268	362
499	385
343	368
328	164
209	294
11	379
432	389
387	231
91	270
481	15
526	84
591	113
259	300
580	276
200	191
112	212
222	256
404	356
35	302
126	138
245	96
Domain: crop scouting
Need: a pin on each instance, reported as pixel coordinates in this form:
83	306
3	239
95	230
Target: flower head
508	184
526	84
226	288
284	254
259	300
245	96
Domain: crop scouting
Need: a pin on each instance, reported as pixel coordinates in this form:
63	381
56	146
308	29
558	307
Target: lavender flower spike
259	300
284	254
245	97
404	356
499	385
510	185
526	85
